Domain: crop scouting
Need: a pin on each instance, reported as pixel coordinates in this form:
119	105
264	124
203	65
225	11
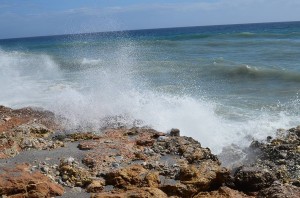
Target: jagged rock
134	193
36	129
87	145
145	142
134	175
276	158
278	190
175	132
73	175
253	178
20	182
223	192
206	176
95	186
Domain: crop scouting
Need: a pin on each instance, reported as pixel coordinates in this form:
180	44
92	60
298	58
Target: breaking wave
92	98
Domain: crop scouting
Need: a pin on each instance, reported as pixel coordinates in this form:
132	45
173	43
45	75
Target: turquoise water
220	84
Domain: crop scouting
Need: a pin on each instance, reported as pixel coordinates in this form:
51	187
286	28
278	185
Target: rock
223	192
175	132
253	178
38	130
6	119
278	190
162	138
134	193
279	155
70	160
87	145
134	175
115	165
145	142
20	182
73	174
204	176
45	169
95	186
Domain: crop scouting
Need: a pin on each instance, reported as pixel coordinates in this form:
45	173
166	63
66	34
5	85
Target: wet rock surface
275	160
139	162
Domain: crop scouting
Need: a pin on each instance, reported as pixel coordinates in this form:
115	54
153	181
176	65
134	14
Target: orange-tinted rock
20	182
134	193
73	174
223	192
278	190
203	177
95	186
134	175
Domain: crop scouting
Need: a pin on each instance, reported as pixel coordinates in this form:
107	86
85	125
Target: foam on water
101	93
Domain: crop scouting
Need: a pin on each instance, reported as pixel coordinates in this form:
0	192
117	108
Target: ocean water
221	85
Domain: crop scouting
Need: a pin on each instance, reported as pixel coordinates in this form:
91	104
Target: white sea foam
86	61
32	79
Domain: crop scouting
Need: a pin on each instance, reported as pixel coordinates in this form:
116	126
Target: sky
26	18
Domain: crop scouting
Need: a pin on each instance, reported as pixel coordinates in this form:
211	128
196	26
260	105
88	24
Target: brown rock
134	193
175	132
223	192
87	145
280	191
145	142
21	183
253	178
95	186
206	176
73	174
134	175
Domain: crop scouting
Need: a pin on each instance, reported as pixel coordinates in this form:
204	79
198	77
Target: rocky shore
38	158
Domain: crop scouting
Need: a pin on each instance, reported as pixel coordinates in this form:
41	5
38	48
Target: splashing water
127	81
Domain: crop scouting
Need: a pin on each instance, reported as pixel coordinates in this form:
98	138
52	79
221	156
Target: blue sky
23	18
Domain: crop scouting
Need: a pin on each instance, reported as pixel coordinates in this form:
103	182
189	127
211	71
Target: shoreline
136	162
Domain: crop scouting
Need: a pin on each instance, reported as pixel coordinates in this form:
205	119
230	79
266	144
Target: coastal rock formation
138	162
25	129
21	182
273	161
138	193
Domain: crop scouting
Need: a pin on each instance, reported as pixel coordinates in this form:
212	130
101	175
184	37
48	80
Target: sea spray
222	86
104	92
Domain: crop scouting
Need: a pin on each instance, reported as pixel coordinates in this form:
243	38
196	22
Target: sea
222	85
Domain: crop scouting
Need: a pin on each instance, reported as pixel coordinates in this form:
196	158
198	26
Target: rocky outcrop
273	161
20	182
134	193
253	178
223	192
141	162
278	190
25	129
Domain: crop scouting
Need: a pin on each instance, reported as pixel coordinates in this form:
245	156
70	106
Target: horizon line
143	29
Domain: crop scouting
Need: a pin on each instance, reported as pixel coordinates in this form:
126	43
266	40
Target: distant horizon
129	30
33	18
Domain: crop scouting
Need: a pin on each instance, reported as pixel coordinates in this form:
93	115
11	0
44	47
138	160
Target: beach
208	111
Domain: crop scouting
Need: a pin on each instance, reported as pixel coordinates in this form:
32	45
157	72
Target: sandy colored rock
204	176
95	186
74	175
134	175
